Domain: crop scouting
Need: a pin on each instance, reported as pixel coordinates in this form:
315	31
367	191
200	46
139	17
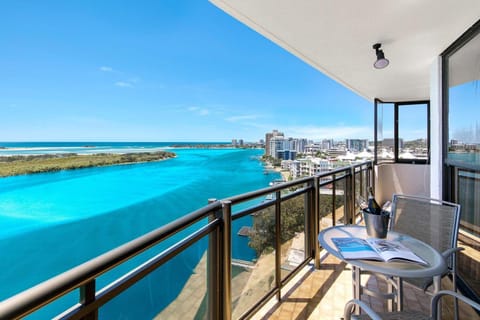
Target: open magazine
375	249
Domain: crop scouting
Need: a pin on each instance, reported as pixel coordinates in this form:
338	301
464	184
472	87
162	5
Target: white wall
401	178
436	180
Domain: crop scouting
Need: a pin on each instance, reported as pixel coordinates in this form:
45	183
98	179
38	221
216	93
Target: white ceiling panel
336	37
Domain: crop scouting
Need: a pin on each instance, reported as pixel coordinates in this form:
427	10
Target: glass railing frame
453	169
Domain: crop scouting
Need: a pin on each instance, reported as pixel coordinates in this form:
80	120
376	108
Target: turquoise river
52	222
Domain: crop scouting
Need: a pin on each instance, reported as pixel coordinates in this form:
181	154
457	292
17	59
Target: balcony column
316	221
309	220
350	197
87	296
278	243
436	130
214	281
227	259
334	196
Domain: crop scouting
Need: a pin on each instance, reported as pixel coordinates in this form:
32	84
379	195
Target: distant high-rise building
299	145
295	144
268	137
275	146
326	144
281	148
234	142
356	144
454	142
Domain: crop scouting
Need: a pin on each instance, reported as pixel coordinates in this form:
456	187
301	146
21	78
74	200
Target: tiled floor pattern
322	294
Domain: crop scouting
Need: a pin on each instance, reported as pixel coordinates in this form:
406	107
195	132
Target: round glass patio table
405	269
435	267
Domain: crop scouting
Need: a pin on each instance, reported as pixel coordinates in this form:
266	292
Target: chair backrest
432	221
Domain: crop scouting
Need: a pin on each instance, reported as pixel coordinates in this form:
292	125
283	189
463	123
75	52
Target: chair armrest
451	251
349	307
440	294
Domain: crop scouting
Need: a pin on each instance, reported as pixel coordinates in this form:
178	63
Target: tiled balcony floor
322	294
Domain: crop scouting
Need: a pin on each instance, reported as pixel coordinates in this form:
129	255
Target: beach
286	175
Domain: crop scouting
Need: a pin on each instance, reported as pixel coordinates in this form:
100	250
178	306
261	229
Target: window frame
397	105
451	168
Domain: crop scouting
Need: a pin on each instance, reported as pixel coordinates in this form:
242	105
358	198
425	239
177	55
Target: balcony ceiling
336	38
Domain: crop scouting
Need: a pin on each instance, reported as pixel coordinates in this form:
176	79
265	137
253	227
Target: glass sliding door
461	96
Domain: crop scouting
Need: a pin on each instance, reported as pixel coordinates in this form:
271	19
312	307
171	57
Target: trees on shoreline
18	165
262	234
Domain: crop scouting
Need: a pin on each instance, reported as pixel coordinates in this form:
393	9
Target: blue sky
161	70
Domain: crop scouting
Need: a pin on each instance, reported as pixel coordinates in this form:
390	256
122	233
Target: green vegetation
17	165
262	234
419	143
271	161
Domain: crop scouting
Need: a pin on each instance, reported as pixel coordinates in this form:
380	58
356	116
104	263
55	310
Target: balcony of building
216	283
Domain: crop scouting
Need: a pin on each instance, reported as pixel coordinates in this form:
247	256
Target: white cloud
199	111
123	84
242	118
332	132
106	69
130	82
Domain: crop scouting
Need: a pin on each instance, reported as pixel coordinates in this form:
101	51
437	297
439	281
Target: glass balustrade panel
293	216
254	277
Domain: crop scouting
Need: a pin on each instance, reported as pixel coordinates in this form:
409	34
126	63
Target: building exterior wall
401	178
268	137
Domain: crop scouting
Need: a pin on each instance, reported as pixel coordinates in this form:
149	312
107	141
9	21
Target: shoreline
32	164
284	173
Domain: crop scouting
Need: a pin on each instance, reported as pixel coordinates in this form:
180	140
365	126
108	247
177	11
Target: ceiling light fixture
381	61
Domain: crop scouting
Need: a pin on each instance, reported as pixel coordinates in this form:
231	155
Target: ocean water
472	158
35	148
54	221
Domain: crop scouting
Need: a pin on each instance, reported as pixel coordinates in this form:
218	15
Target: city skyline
160	72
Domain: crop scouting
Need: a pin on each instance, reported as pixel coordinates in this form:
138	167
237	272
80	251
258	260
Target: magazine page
355	248
390	250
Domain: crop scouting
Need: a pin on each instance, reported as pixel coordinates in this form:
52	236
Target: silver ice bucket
376	224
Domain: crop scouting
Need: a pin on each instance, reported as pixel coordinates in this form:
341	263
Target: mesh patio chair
432	221
404	315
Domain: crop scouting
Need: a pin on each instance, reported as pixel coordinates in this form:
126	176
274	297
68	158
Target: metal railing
463	179
214	221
